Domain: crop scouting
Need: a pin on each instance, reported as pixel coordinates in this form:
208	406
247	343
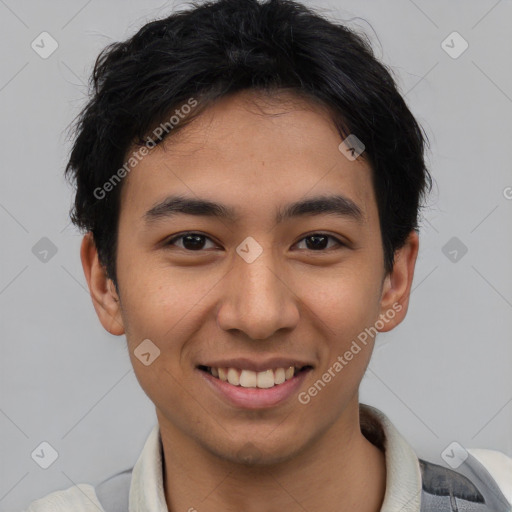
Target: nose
257	299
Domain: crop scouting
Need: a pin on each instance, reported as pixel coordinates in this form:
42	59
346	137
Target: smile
251	379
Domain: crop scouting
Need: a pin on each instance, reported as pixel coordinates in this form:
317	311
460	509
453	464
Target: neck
340	472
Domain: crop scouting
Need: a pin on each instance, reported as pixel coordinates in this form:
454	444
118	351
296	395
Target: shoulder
481	481
499	467
79	498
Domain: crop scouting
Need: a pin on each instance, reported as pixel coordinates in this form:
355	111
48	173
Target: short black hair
217	48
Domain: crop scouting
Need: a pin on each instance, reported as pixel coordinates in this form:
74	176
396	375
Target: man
249	180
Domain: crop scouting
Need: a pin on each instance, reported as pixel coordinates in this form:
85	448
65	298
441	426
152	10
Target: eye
319	241
191	241
196	241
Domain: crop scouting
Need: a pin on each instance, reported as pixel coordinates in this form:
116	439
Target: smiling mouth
250	379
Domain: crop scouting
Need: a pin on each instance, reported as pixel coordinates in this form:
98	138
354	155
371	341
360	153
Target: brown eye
196	242
190	241
319	241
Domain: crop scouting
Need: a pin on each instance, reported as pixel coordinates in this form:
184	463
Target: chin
251	452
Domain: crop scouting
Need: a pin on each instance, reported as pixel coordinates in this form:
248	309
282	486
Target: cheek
155	298
346	301
159	309
168	308
345	305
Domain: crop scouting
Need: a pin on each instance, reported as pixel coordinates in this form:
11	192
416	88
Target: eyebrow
171	206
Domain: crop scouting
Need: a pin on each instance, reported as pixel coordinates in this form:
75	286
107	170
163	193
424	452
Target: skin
292	301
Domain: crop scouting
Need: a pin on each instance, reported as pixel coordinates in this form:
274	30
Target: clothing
482	483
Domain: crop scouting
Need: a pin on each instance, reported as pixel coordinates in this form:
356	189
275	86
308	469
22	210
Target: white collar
403	477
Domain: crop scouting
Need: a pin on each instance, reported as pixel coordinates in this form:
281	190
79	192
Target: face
253	285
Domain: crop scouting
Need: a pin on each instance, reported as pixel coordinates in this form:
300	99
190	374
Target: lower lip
255	398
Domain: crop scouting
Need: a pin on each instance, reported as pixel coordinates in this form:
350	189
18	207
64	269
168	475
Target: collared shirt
403	475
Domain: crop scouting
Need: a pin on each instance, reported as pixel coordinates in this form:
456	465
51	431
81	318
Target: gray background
443	375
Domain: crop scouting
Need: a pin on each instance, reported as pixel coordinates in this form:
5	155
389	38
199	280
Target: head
238	110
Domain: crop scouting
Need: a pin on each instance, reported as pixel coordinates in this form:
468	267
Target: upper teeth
250	379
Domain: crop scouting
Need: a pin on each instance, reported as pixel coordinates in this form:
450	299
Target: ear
397	284
103	293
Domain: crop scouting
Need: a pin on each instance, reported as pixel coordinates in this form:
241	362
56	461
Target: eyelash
174	239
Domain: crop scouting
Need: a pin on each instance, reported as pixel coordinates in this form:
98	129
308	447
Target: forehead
247	150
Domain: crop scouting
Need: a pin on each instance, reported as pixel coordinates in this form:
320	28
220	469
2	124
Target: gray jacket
470	488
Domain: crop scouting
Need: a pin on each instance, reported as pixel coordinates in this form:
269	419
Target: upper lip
243	363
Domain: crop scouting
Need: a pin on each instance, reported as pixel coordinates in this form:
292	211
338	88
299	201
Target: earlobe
397	284
103	293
